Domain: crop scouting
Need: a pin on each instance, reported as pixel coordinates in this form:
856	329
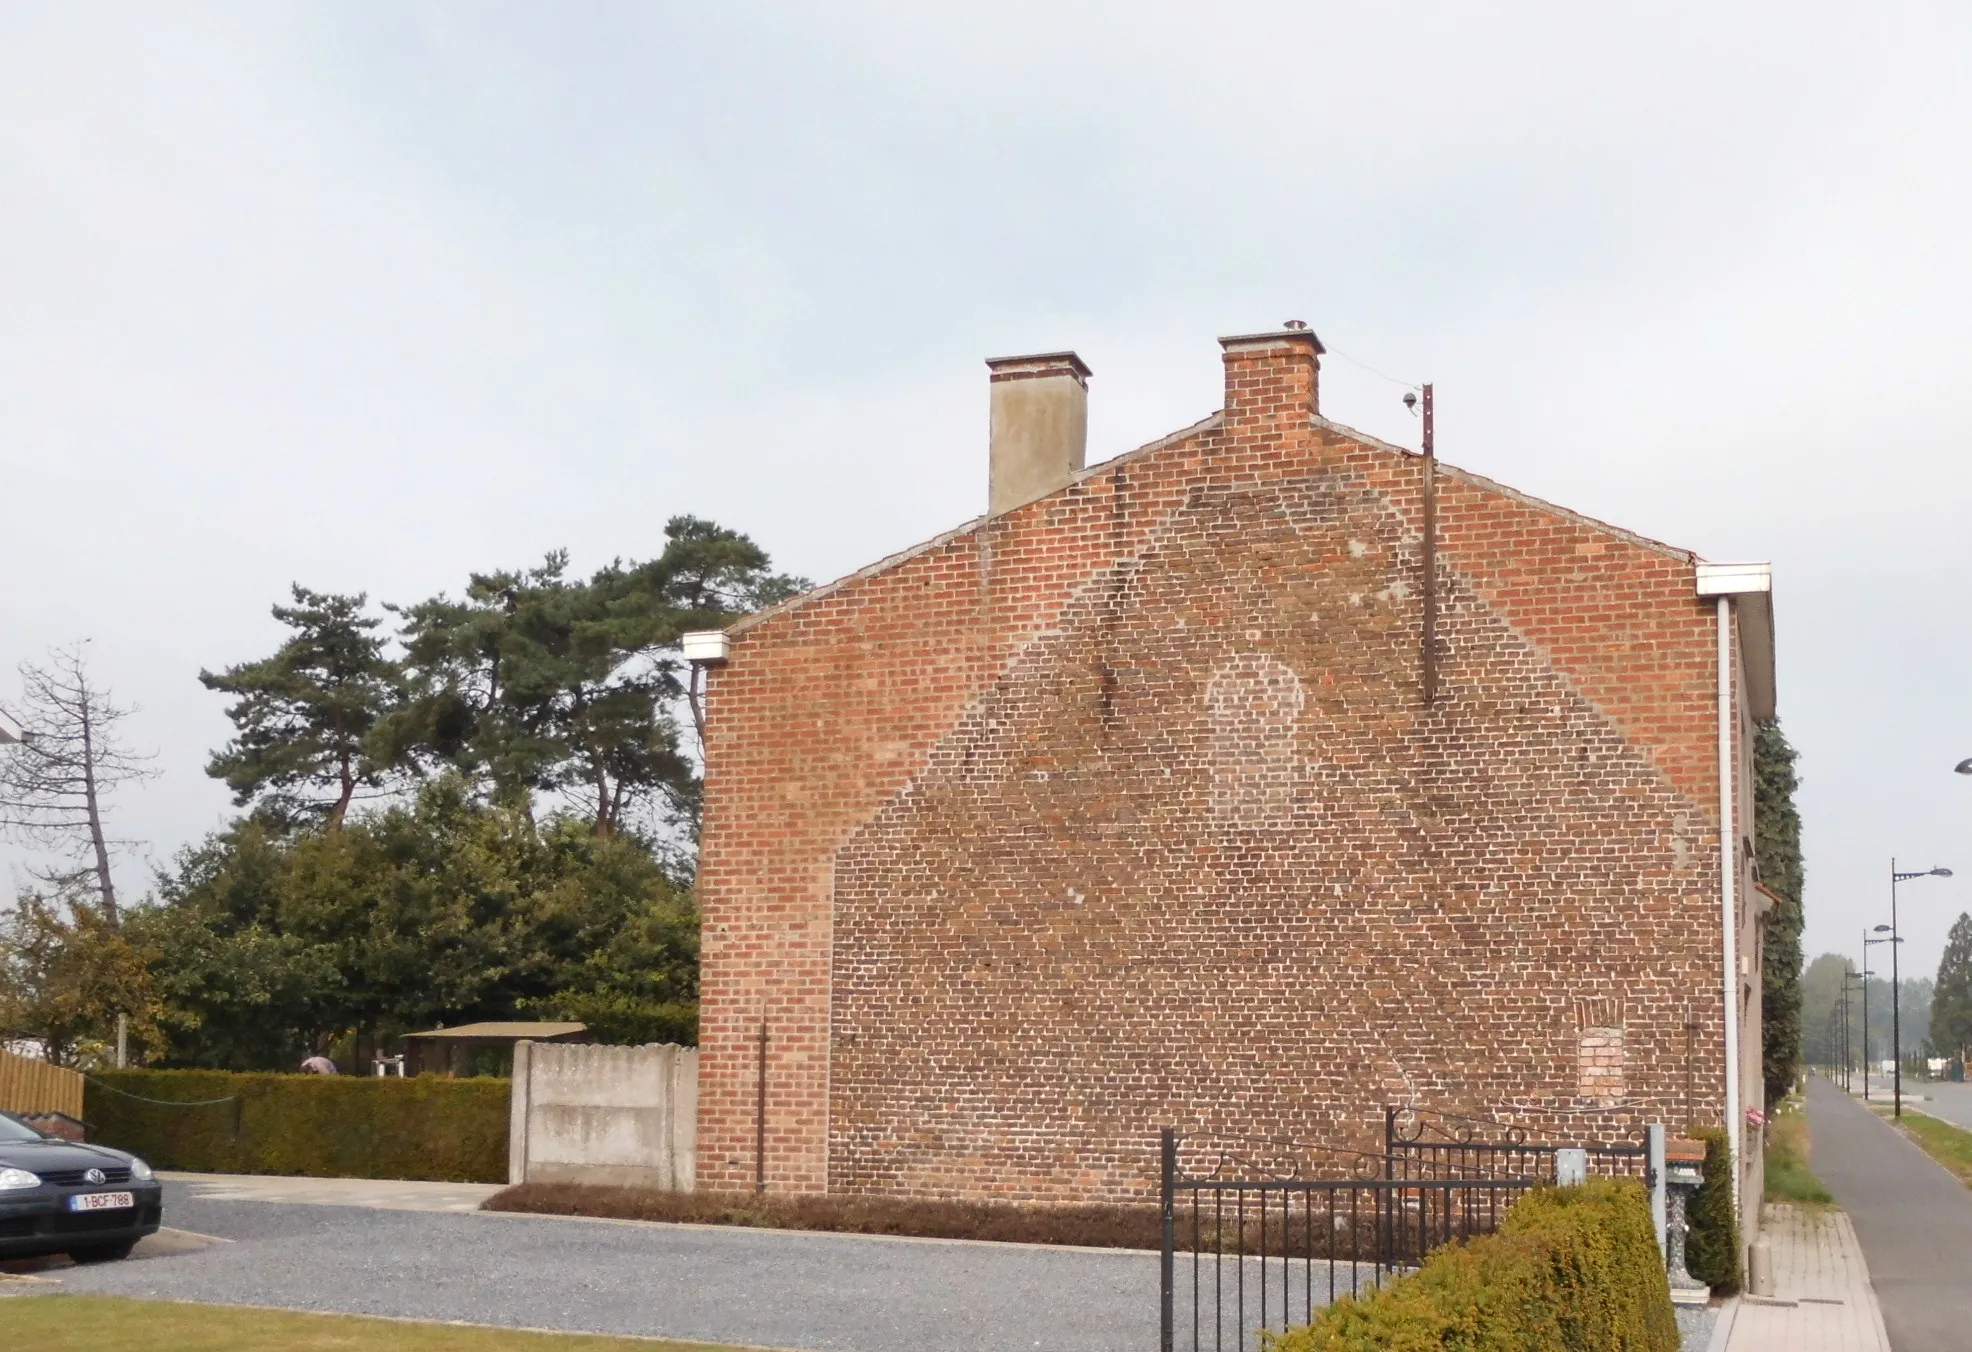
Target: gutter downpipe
1728	895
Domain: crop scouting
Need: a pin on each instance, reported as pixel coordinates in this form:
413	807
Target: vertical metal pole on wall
760	1118
1653	1144
1167	1267
1429	651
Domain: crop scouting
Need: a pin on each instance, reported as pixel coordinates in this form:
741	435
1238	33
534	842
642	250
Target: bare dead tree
56	785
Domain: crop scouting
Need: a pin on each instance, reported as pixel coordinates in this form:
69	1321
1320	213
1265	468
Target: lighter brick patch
1254	703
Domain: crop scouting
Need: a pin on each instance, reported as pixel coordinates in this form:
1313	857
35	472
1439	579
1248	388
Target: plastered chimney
1040	426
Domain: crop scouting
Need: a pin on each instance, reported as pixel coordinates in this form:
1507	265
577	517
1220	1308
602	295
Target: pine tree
1951	999
306	714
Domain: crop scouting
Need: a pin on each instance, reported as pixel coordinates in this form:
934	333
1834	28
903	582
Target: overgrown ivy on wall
1777	850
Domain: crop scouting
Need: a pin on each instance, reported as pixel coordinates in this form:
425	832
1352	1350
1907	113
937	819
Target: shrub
1572	1270
1711	1248
323	1126
1095	1227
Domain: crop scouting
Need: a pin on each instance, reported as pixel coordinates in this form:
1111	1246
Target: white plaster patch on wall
1254	703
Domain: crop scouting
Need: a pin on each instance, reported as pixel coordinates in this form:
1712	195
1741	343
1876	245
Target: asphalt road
771	1289
1953	1102
1914	1221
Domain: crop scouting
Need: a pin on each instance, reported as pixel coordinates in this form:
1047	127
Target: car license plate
101	1201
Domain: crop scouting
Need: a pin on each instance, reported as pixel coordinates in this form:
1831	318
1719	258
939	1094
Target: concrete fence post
684	1118
523	1083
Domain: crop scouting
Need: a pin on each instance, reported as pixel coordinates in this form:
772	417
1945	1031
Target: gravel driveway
772	1289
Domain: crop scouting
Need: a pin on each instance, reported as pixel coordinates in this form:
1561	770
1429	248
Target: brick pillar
1273	380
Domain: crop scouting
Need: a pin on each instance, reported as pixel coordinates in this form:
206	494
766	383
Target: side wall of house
1121	810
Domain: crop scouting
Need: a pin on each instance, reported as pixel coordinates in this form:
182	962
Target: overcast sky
370	295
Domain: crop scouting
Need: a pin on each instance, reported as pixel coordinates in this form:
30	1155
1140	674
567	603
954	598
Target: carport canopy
442	1051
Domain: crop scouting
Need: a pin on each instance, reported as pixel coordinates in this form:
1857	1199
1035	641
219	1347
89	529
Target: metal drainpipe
1728	890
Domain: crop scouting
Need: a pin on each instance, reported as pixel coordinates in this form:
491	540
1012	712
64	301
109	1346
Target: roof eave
1750	585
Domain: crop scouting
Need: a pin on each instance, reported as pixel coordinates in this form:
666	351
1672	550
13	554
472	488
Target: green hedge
1572	1270
324	1126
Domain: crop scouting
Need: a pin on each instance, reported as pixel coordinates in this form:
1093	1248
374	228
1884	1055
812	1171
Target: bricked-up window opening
1254	703
1601	1072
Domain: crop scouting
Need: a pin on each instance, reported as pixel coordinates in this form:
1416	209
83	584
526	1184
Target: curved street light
1964	767
1896	992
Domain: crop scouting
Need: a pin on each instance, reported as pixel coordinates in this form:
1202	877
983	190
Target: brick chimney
1040	426
1273	378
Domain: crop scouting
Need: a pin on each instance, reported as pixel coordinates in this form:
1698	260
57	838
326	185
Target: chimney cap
1039	364
1294	331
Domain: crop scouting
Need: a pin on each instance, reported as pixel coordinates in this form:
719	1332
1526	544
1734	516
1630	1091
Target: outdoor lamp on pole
1866	975
1852	981
1896	1025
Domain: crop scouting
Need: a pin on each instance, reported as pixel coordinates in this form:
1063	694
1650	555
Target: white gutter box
707	645
1749	586
1734	579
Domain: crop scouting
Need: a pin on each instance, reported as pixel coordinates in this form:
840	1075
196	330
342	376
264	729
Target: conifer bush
1711	1249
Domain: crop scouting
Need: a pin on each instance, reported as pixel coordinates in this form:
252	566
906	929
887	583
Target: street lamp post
1852	982
1896	993
1864	977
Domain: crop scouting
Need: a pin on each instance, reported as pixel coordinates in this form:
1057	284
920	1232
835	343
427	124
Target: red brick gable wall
1119	810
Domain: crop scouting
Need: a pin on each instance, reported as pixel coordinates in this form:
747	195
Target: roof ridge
945	537
1518	495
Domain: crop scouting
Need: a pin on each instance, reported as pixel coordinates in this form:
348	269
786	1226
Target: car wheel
102	1253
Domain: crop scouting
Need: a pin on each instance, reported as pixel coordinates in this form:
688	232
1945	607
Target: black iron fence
1255	1238
1423	1144
1241	1255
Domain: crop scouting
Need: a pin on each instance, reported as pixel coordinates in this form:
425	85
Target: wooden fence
31	1086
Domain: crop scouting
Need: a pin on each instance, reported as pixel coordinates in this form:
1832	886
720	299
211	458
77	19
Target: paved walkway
1821	1299
386	1194
1914	1221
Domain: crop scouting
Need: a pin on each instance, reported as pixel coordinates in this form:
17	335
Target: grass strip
75	1323
1949	1145
1788	1178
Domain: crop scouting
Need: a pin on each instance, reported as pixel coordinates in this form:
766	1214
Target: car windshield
13	1131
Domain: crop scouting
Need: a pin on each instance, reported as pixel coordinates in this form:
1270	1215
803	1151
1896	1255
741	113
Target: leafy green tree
1777	850
544	684
1821	1012
305	716
1951	998
276	942
66	972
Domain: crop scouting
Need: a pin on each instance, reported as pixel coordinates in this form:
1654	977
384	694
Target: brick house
1123	806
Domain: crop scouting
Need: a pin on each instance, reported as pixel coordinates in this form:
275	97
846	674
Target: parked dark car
87	1201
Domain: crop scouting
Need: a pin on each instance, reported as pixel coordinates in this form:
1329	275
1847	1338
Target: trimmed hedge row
1571	1270
323	1126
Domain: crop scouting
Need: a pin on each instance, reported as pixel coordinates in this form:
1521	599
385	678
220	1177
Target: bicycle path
1914	1220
